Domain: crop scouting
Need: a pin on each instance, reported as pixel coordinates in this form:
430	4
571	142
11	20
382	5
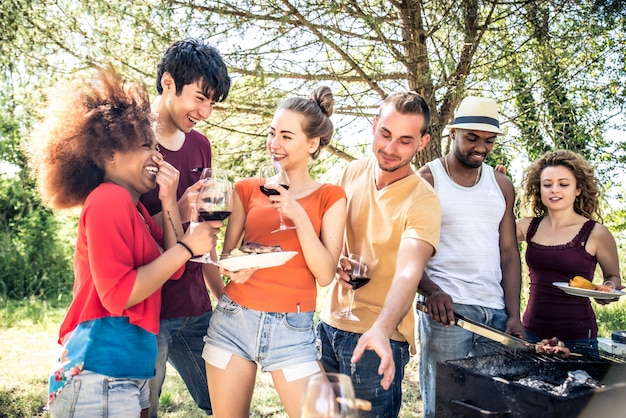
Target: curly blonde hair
586	204
86	120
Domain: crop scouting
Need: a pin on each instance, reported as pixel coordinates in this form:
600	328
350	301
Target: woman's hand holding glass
201	237
274	178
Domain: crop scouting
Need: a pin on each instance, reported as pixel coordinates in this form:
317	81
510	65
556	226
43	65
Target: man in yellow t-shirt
393	219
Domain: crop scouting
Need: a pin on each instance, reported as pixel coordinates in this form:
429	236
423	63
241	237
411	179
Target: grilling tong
493	334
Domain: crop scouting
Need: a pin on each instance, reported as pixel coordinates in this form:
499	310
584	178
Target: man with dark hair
191	78
393	220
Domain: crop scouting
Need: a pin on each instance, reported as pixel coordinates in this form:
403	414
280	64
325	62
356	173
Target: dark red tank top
550	311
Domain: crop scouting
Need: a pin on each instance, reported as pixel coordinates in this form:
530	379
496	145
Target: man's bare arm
413	255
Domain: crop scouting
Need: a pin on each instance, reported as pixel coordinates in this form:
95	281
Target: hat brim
476	127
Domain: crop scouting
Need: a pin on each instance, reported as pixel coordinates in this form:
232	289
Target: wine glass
329	395
214	203
274	174
214	173
359	277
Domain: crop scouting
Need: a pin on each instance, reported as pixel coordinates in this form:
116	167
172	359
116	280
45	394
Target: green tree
555	66
565	80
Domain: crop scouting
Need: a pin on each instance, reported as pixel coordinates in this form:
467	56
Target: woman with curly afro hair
95	149
564	239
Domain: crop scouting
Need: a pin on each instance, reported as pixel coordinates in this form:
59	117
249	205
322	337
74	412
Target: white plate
250	261
597	294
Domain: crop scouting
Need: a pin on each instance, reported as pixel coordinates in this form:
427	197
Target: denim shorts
273	340
90	394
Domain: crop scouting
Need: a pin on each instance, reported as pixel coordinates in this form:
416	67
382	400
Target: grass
28	332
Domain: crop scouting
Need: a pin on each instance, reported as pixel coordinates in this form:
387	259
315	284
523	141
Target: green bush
35	254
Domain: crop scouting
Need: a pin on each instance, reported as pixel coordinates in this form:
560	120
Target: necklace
480	169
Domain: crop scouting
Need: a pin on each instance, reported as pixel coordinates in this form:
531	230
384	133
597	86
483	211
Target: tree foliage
556	67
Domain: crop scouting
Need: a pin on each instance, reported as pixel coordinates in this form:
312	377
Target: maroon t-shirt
550	311
187	296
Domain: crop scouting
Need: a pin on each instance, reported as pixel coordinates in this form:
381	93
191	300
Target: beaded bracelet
186	247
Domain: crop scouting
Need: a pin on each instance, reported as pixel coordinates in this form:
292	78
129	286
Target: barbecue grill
497	385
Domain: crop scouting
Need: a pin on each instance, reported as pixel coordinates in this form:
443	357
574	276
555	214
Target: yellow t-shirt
377	221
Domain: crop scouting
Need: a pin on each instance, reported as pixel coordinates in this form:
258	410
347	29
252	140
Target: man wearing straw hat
476	271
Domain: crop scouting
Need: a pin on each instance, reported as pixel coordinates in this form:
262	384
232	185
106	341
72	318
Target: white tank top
467	262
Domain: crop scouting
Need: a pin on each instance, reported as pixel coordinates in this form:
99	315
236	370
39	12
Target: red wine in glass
358	281
218	215
214	203
274	174
271	192
358	273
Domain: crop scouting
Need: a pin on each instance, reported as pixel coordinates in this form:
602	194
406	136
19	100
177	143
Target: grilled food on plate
582	283
253	247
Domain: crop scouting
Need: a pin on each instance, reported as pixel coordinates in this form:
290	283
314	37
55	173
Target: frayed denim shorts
90	394
273	340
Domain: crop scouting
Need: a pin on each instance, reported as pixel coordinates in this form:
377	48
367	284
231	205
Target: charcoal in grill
489	386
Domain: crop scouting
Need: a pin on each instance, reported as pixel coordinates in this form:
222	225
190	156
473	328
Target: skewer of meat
553	347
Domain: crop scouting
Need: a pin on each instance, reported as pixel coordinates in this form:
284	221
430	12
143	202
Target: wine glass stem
352	291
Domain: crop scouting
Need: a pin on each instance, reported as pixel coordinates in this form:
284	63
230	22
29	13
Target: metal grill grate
503	384
586	354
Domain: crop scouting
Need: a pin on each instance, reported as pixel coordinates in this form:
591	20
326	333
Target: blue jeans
180	342
337	347
439	344
90	394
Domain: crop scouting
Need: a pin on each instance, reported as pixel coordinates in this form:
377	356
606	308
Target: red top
550	311
287	287
115	238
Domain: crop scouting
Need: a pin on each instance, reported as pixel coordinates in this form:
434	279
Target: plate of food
251	255
259	261
579	286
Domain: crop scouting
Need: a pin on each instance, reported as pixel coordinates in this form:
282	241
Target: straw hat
477	114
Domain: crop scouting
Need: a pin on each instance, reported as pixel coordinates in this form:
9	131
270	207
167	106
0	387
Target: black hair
190	60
